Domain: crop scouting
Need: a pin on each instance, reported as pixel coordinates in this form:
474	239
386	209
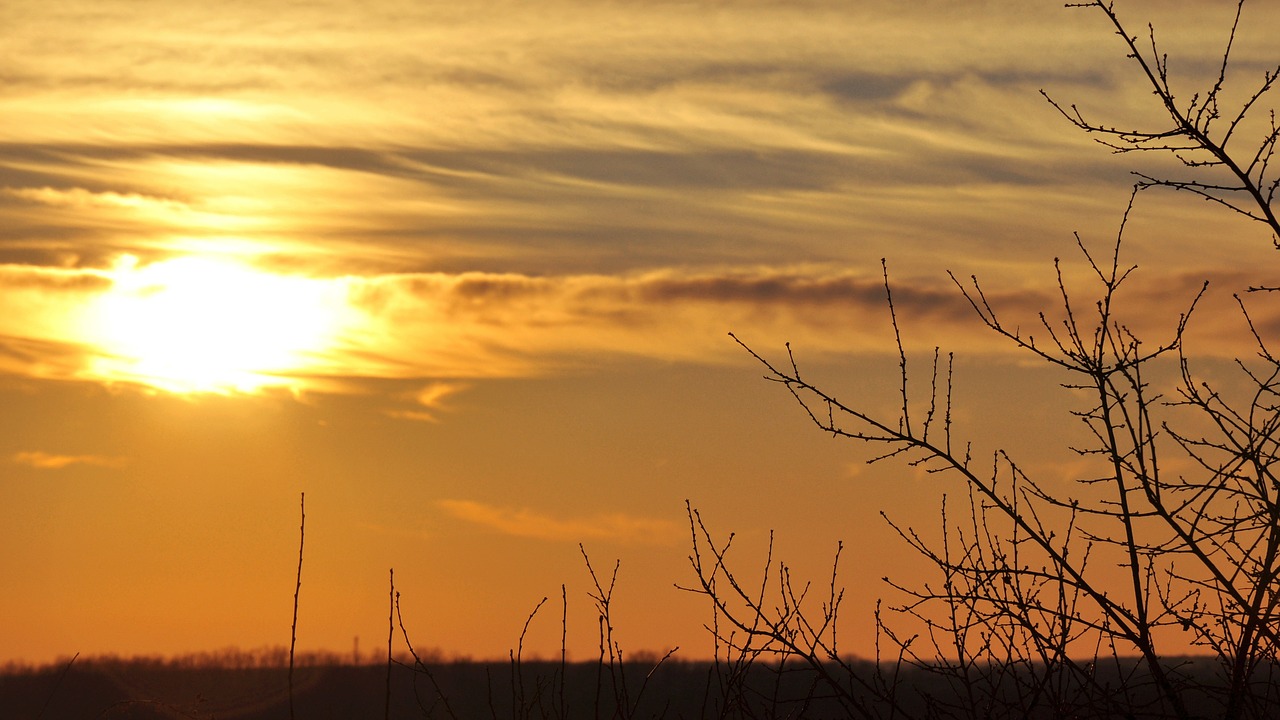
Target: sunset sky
464	274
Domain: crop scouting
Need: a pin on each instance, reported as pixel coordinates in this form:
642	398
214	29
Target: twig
297	590
391	629
66	668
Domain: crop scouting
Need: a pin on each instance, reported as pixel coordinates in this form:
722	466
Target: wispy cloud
50	461
427	401
578	137
523	522
445	328
590	179
80	198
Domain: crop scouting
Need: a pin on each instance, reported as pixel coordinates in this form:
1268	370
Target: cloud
427	400
619	139
523	522
441	329
432	395
40	330
558	185
27	277
80	198
48	461
485	324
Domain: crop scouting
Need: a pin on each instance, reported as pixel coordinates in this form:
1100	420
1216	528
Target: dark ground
133	689
152	688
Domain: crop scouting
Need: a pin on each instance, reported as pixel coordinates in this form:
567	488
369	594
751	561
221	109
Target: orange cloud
48	461
523	522
411	326
427	400
80	198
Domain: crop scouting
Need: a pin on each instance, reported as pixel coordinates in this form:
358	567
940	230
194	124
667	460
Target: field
116	688
325	688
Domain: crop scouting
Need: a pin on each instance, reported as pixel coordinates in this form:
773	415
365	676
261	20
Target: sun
210	324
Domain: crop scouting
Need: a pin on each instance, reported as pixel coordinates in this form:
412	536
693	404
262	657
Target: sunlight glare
211	324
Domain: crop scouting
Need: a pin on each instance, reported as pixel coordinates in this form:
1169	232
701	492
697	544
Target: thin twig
65	669
297	590
391	630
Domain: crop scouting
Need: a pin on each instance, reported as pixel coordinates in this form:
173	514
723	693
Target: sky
464	274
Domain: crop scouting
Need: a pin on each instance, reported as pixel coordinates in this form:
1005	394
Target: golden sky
464	274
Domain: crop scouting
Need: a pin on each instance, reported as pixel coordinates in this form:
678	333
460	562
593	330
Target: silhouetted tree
1028	616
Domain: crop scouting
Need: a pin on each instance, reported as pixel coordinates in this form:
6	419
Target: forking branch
1079	602
1196	134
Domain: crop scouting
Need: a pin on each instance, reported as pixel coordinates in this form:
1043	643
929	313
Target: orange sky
464	274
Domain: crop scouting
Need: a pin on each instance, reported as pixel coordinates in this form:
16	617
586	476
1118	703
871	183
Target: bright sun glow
210	324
